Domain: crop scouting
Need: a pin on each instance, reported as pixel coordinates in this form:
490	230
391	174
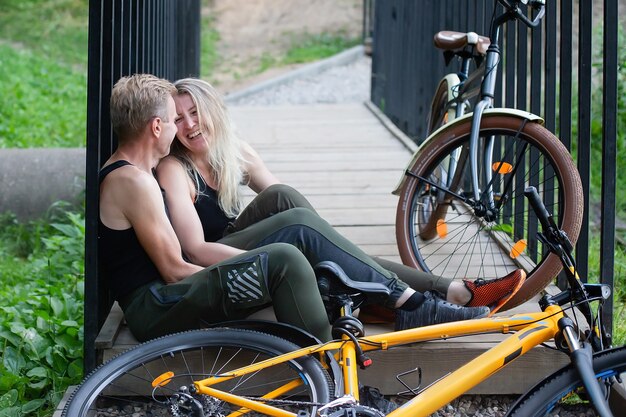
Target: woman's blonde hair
225	155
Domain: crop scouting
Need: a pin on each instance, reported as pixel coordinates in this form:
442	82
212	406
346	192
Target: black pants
281	197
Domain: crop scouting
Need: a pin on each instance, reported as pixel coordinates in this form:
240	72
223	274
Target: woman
201	180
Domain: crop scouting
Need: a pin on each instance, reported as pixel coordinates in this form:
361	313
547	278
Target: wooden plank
110	328
270	154
352	202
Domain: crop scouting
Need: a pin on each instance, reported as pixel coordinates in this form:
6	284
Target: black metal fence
161	37
544	70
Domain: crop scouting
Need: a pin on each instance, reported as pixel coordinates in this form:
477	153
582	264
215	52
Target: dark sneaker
434	310
494	293
372	397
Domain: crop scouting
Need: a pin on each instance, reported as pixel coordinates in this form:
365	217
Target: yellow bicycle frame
530	329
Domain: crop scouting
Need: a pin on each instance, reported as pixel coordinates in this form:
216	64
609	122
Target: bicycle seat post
464	68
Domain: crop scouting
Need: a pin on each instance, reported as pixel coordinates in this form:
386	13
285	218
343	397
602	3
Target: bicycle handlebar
538	207
537	5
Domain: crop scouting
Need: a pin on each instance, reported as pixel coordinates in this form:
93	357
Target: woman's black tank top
214	220
123	262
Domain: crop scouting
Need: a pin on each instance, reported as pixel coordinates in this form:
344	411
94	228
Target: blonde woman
202	180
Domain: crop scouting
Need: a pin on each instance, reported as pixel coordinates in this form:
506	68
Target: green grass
42	103
43	60
208	42
313	47
54	29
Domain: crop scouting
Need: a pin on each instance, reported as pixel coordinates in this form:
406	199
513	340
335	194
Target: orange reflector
162	379
518	248
502	168
442	228
445	118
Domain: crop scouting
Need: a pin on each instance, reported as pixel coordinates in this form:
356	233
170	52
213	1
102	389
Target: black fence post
609	153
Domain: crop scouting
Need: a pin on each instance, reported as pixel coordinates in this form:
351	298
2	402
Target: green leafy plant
41	320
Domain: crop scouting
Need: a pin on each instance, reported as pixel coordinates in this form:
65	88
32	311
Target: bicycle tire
475	252
127	378
545	397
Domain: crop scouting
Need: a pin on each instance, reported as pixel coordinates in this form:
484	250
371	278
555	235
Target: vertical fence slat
609	152
585	33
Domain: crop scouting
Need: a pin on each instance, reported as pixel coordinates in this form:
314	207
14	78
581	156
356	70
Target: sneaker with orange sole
494	293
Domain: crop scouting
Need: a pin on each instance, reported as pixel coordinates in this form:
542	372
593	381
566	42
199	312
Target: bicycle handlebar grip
538	207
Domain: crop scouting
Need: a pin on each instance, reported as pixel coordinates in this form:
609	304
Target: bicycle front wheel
150	376
547	398
441	229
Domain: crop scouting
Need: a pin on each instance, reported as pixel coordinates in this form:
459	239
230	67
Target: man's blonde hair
135	100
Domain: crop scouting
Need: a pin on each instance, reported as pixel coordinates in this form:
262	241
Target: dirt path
251	31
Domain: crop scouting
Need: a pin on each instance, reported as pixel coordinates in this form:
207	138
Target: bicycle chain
285	402
368	411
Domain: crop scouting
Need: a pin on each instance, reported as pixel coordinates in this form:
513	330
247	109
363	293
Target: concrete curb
392	128
33	179
342	58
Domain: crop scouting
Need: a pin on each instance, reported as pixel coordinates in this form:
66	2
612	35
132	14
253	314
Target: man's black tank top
214	220
123	262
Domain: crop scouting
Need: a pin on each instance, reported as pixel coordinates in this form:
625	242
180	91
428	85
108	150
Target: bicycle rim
125	384
440	231
564	390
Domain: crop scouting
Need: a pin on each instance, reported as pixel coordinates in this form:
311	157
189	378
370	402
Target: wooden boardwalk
341	158
347	163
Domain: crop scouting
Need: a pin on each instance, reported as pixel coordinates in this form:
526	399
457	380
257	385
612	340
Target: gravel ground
350	83
341	84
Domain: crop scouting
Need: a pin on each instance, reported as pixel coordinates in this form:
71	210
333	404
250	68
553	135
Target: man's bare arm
139	198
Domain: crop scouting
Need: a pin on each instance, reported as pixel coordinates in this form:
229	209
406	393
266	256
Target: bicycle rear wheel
441	109
546	398
440	229
125	384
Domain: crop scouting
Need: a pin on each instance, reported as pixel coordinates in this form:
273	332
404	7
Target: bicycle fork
581	357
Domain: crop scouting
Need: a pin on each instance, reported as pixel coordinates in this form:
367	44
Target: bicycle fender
451	79
498	111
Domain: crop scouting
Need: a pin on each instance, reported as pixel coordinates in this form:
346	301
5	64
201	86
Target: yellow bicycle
233	372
